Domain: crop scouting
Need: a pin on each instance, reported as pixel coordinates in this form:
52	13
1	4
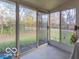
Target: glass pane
68	22
54	26
27	28
7	25
42	27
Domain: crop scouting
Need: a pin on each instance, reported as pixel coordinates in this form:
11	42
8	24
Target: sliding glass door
7	25
42	28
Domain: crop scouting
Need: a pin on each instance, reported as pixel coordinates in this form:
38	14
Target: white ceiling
44	4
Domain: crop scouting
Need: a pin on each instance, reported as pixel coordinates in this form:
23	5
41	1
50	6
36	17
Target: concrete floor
47	52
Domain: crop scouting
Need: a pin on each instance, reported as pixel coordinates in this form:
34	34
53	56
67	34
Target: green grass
54	34
31	38
24	40
65	36
4	45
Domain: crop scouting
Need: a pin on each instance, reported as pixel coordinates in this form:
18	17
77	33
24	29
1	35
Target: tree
30	20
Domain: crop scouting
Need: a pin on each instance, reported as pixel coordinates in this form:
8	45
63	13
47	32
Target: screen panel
27	28
55	26
7	25
68	23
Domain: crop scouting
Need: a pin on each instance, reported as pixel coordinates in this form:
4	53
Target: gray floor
46	52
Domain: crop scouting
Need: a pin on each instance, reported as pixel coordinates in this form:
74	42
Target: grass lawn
30	37
54	34
65	35
25	39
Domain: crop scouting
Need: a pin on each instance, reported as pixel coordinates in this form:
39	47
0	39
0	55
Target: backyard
9	40
29	37
65	35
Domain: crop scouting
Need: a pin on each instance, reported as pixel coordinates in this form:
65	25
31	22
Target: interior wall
68	5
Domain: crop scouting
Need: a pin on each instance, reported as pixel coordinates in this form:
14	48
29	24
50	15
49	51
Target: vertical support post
77	22
17	29
37	40
48	28
60	27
